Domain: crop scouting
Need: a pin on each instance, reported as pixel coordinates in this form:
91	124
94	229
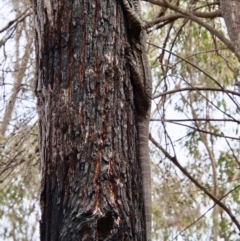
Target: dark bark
91	186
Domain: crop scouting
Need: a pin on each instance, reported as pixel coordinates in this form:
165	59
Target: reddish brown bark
91	185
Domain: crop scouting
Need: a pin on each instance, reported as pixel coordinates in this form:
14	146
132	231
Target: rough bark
230	11
142	87
91	187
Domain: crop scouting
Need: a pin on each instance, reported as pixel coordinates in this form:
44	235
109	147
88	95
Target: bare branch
174	160
175	16
207	132
208	75
195	89
191	15
16	20
203	215
197	119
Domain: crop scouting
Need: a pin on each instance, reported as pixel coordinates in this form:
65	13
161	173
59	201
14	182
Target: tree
19	179
194	120
90	142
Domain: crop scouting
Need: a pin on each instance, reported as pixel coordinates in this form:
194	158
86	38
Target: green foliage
19	187
197	70
19	210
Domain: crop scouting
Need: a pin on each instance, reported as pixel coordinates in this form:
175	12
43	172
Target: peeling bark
91	187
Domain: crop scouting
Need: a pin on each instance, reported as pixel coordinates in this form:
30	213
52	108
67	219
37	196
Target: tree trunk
91	187
230	11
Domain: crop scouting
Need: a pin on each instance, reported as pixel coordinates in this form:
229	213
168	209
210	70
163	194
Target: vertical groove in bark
91	179
230	11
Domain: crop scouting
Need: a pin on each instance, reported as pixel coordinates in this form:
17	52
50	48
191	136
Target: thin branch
195	89
190	15
16	20
209	76
203	215
174	160
207	132
197	119
168	18
175	16
197	190
233	154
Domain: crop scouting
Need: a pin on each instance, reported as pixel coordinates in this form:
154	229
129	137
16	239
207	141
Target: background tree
194	131
19	179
